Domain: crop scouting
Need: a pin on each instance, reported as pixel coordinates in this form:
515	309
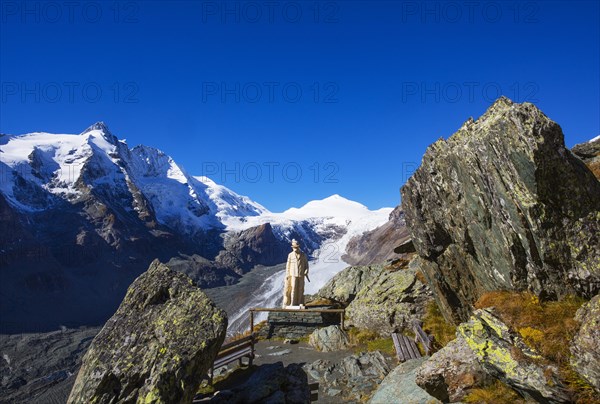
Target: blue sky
288	101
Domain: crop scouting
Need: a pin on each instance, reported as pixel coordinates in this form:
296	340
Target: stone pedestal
297	324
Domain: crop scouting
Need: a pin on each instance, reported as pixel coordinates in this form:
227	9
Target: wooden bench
406	348
420	335
235	350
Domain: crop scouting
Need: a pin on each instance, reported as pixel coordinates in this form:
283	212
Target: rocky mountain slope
377	246
82	215
504	205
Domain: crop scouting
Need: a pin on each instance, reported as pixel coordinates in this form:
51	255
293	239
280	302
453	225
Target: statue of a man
295	271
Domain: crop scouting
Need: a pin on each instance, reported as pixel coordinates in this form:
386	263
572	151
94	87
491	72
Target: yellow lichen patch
151	397
474	335
532	336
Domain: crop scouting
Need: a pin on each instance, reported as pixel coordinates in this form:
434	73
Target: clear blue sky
215	85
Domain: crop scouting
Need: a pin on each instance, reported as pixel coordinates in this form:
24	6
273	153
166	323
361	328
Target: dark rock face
156	347
254	246
502	204
377	246
586	344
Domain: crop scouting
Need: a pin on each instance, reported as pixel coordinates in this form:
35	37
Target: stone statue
295	271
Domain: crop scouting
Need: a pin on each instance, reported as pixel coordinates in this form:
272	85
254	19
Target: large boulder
156	347
586	344
353	377
504	205
390	302
346	284
327	339
399	386
505	356
451	372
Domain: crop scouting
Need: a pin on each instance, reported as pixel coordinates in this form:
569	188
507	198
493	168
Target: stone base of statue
298	323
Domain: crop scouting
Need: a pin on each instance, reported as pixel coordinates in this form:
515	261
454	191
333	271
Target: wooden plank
415	349
228	352
236	342
231	357
422	336
410	347
405	351
243	345
409	343
399	354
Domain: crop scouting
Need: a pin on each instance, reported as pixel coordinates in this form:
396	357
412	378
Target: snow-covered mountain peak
151	162
227	203
98	126
332	206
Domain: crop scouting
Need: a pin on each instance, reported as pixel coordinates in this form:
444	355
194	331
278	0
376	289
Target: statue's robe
295	271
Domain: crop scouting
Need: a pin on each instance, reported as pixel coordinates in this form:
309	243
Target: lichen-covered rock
346	284
353	377
328	339
504	355
504	205
390	302
156	347
586	344
365	364
451	372
400	387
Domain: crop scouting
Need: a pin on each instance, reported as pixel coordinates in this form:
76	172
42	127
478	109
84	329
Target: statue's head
295	245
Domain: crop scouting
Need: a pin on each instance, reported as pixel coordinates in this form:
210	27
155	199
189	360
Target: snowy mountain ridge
70	165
